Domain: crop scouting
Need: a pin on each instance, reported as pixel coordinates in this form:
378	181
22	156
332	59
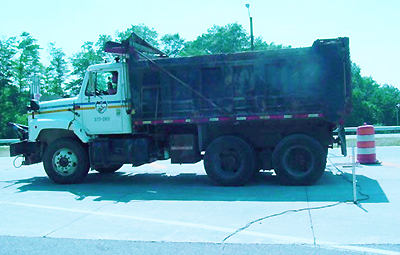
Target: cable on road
279	214
309	209
16	160
343	174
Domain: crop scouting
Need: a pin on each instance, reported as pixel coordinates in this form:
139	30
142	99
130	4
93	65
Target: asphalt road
51	246
171	209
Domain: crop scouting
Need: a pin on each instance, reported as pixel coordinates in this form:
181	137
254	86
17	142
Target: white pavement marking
176	223
361	249
215	228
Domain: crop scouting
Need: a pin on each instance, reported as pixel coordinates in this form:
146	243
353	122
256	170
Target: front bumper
30	151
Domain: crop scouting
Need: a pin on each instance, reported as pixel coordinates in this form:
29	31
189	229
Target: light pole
251	27
397	115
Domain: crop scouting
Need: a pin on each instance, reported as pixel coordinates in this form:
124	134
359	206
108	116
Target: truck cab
99	108
102	104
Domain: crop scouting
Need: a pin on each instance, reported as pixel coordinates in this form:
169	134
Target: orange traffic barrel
366	152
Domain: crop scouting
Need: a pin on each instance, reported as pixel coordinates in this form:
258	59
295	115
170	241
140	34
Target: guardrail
8	141
378	129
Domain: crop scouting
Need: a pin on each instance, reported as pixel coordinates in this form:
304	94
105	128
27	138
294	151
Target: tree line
21	65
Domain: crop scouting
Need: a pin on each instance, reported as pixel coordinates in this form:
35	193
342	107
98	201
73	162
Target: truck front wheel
230	161
299	160
66	161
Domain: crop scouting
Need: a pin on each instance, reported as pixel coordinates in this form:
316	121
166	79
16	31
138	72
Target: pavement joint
309	214
77	219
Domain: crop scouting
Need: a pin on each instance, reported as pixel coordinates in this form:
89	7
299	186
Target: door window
102	83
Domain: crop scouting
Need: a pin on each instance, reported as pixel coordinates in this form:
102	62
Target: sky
373	26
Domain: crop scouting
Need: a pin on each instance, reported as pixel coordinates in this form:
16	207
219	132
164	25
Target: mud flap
342	137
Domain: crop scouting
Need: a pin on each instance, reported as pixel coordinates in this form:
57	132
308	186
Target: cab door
102	106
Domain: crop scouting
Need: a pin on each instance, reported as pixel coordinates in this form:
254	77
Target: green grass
4	151
379	141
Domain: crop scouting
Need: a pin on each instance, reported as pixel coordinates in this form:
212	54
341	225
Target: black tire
109	169
66	161
299	160
230	161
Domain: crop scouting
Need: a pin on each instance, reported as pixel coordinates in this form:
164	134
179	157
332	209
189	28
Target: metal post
354	177
251	28
251	33
397	115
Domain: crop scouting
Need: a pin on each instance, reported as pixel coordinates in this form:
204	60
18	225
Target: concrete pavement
171	203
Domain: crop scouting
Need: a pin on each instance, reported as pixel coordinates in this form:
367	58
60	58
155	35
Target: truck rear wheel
109	169
66	161
229	161
299	160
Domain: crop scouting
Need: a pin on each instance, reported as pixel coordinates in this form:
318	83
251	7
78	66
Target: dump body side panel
277	82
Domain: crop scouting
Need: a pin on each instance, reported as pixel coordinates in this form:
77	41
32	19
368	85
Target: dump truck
240	113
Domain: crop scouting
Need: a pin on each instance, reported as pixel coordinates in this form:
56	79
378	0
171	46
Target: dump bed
312	81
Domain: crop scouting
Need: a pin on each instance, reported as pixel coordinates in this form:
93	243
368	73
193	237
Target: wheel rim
229	161
298	161
65	162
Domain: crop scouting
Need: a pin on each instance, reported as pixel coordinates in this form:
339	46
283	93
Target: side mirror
34	105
